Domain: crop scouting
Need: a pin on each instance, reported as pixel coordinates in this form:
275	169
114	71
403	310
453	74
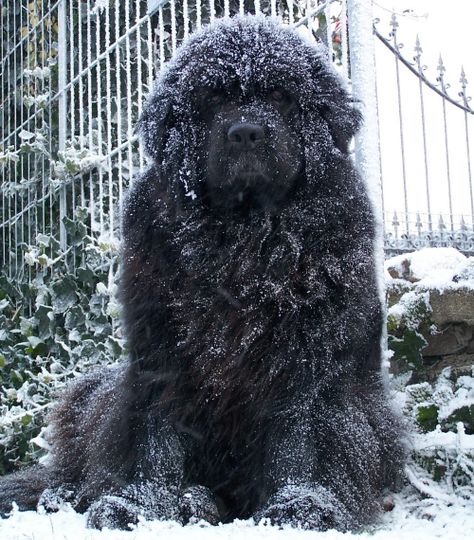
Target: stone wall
431	348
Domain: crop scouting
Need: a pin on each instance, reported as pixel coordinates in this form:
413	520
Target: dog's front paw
198	503
306	506
113	512
52	499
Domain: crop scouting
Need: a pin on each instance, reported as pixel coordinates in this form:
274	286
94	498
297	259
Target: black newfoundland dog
253	386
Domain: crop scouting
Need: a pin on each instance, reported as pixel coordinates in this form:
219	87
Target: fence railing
73	79
425	149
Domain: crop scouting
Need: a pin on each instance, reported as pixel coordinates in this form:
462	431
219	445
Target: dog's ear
342	119
155	123
332	102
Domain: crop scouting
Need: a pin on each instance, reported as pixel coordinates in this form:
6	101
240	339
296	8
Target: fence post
362	61
367	153
62	110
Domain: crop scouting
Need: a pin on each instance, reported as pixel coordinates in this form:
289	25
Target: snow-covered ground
409	520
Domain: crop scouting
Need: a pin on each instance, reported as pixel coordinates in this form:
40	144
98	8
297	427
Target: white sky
443	27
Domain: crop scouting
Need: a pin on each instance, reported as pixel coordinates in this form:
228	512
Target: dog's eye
277	95
215	99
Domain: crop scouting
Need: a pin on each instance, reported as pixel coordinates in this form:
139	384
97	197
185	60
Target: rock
401	270
388	504
432	366
395	290
454	339
452	305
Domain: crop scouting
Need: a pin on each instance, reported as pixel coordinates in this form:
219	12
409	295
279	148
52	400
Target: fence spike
417	57
394	25
418	48
463	93
418	224
441	71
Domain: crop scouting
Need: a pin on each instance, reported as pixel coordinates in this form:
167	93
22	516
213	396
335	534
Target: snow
454	522
434	268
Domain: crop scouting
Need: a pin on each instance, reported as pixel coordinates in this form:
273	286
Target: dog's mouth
248	174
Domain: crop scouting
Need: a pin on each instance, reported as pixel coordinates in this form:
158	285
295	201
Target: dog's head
246	112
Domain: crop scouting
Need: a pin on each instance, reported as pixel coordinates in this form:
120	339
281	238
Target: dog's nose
245	134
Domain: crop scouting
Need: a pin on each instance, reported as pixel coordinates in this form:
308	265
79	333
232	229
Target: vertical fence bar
18	200
11	253
128	63
418	51
186	16
118	91
273	8
382	196
198	14
394	24
43	93
62	111
90	109
100	142
173	25
108	107
161	27
257	7
464	97
327	15
30	215
80	67
139	70
150	56
441	70
291	15
344	48
212	10
3	53
72	97
50	123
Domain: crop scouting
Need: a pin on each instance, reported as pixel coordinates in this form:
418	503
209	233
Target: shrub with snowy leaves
62	322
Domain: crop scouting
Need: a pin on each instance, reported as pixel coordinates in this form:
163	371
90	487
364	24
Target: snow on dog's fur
252	316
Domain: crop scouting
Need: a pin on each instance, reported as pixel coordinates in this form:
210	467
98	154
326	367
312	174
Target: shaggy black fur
252	316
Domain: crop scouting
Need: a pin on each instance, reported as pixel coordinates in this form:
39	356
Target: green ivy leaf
63	294
26	419
427	417
76	230
44	316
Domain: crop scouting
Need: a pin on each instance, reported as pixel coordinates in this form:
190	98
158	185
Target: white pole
362	58
363	77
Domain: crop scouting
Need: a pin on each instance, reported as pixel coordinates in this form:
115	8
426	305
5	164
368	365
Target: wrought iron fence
73	79
74	76
425	150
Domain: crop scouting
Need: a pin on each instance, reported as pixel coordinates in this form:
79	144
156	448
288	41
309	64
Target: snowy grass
411	519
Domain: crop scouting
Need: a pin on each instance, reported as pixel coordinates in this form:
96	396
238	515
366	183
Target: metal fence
74	74
73	79
425	148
